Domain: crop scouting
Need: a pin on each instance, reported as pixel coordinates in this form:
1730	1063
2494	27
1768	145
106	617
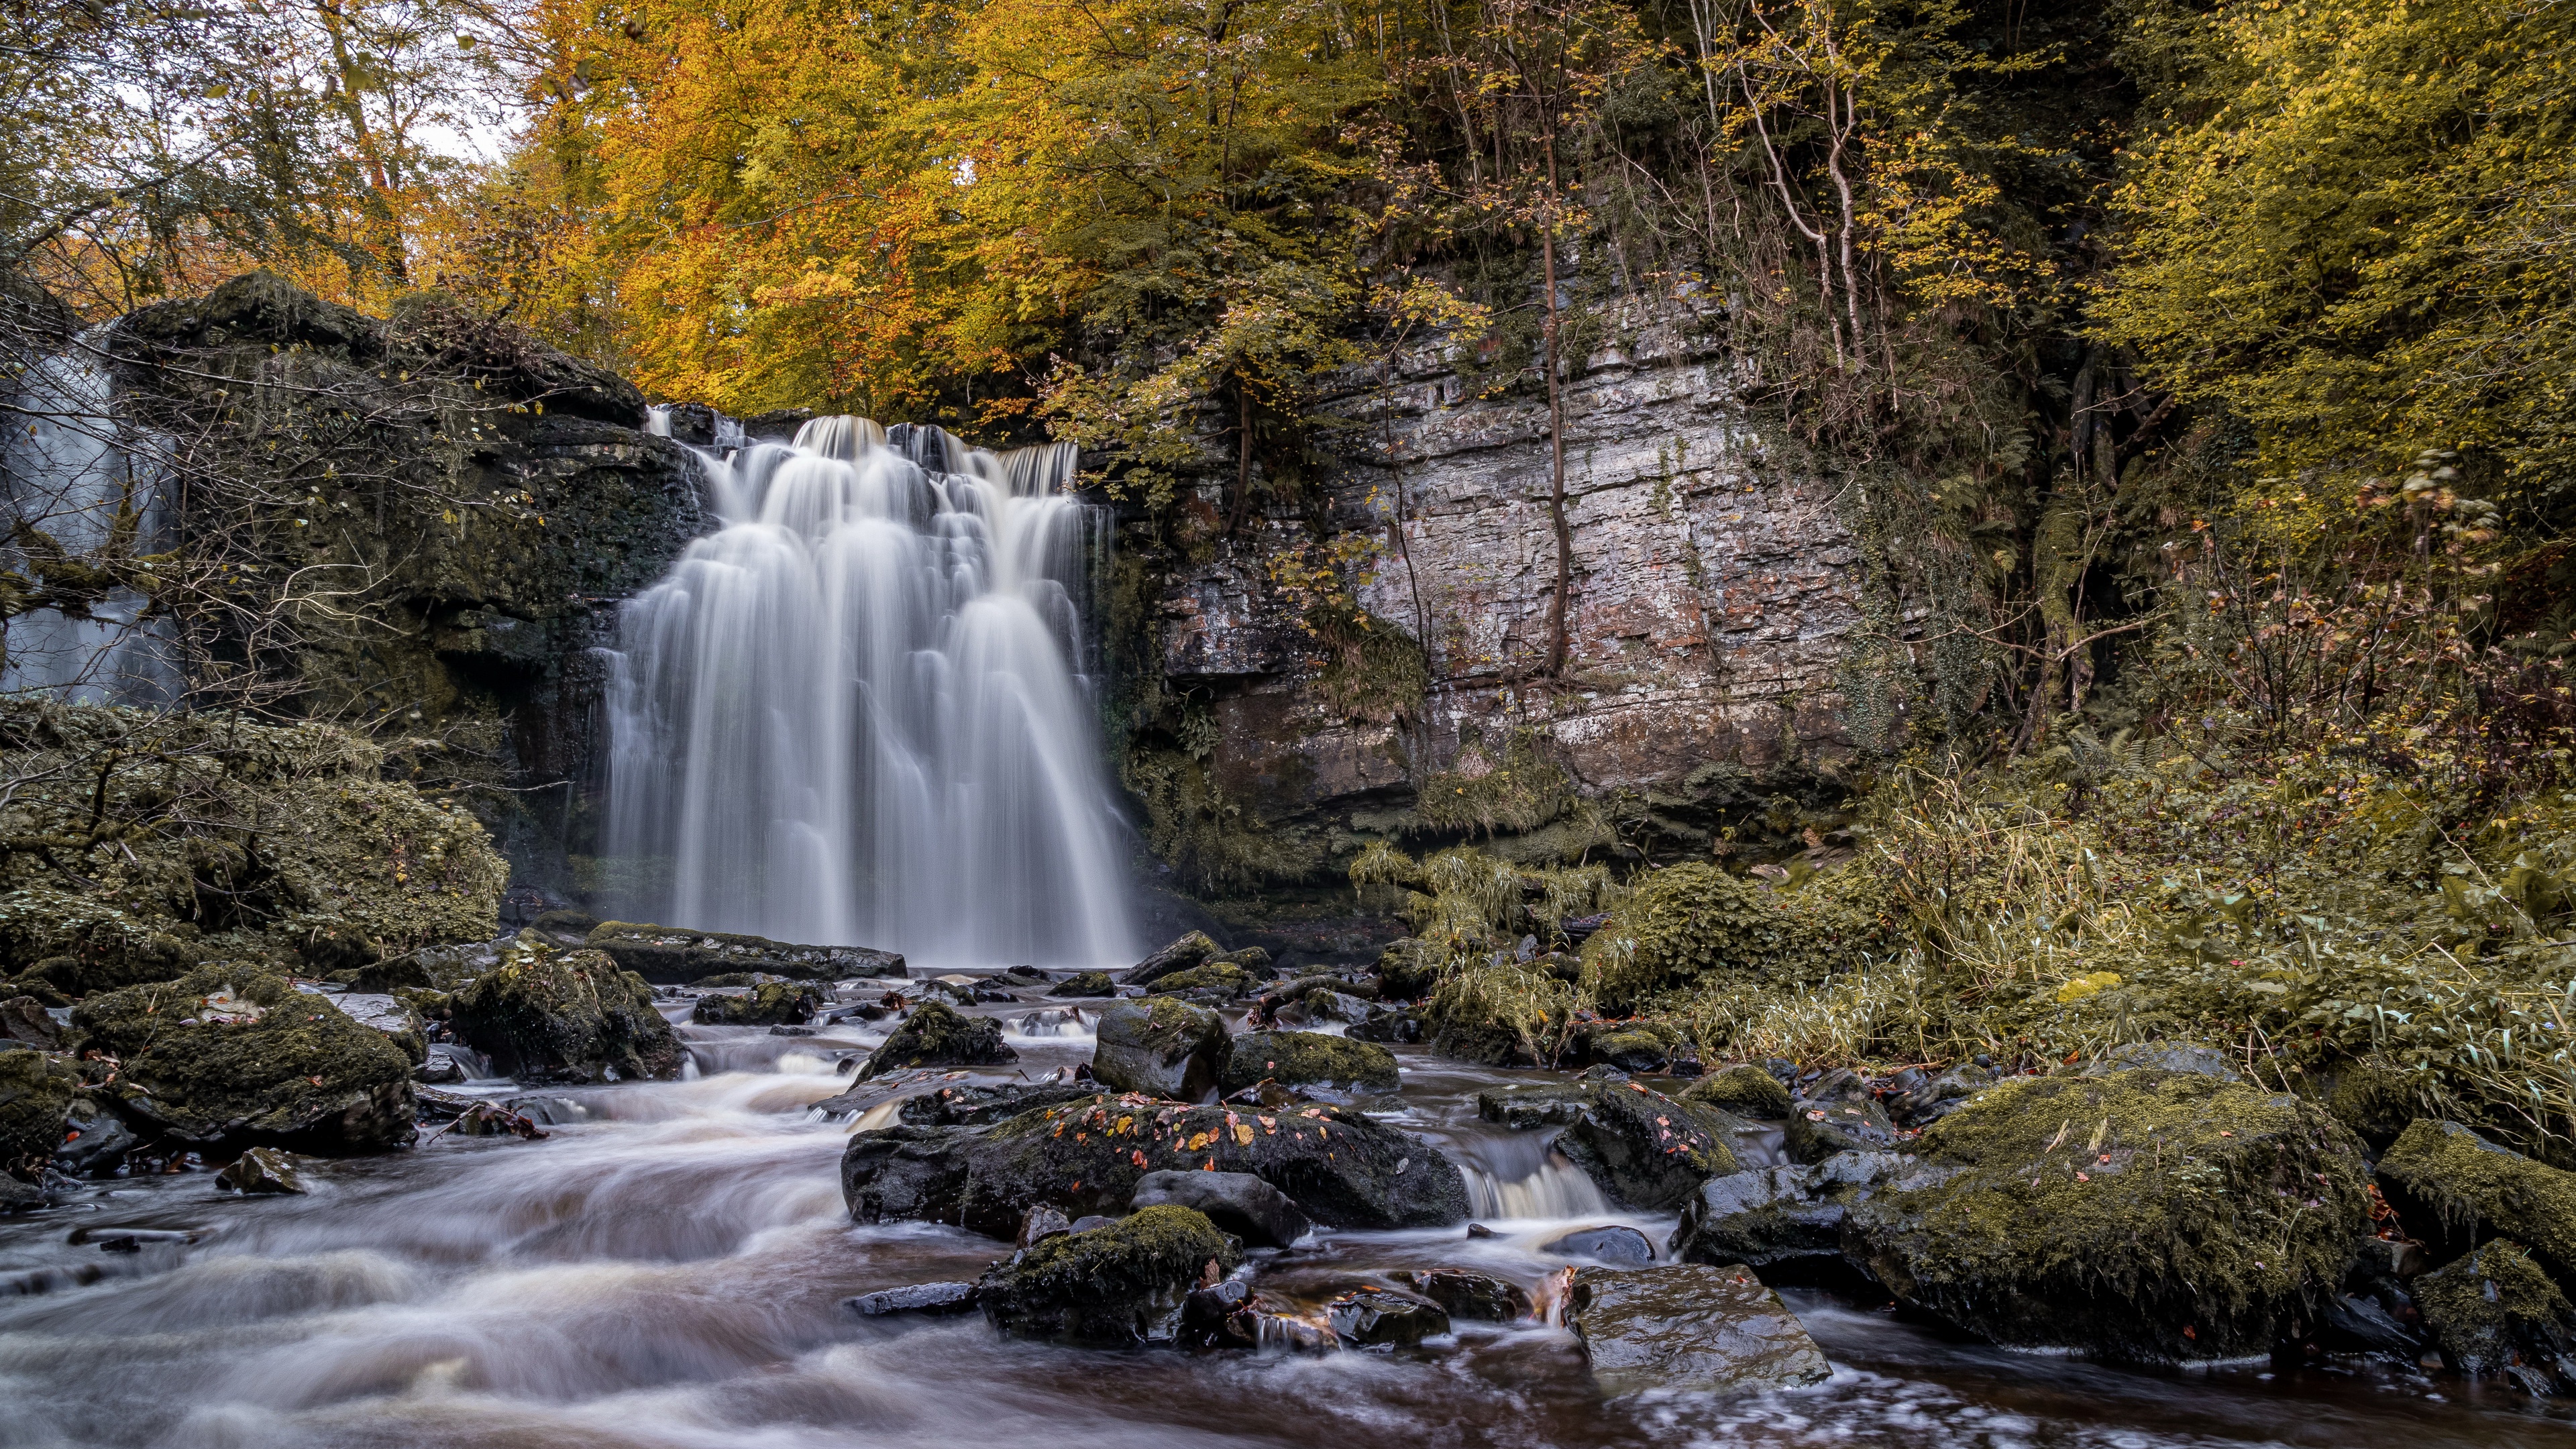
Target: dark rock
439	1070
2456	1189
1092	1222
230	1056
548	1111
1375	1316
1926	1101
791	1031
1085	984
932	1298
1819	1129
1320	1007
1117	1285
1622	1247
1221	979
970	1105
388	1014
2156	1216
1392	1028
562	923
2495	1313
1745	1090
1239	1202
1462	1294
574	1016
1181	955
1161	1047
670	955
1027	975
1307	1058
490	1119
36	1091
384	978
1041	1223
1643	1148
95	1140
937	1036
1479	1230
778	1003
25	1021
2162	1056
263	1170
1341	1168
1783	1222
1406	973
2360	1325
1688	1328
1631	1051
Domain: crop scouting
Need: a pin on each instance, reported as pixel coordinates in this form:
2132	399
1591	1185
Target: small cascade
1551	1187
858	712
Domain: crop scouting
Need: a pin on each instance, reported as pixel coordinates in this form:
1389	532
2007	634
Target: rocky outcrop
2494	1312
546	1016
667	956
1688	1328
1162	1047
771	1003
1307	1059
937	1036
1110	1287
1189	950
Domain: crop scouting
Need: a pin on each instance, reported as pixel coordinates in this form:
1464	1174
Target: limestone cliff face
1712	592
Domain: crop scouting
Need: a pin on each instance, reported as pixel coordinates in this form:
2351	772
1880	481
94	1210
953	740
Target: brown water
668	1273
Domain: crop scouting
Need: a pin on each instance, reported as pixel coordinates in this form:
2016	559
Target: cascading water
854	714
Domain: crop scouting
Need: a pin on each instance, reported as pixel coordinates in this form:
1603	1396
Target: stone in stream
1085	984
1219	980
263	1170
1372	1316
2454	1189
1342	1168
1624	1247
2153	1216
1307	1059
1784	1222
939	1036
1161	1047
1630	1051
230	1056
36	1091
1746	1090
1238	1202
1181	955
774	1003
95	1140
926	1298
1820	1128
1688	1328
670	956
573	1016
1118	1285
24	1022
2495	1313
1321	1007
1641	1147
490	1119
1462	1294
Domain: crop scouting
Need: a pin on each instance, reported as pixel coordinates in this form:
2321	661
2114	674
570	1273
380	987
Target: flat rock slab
1689	1328
916	1298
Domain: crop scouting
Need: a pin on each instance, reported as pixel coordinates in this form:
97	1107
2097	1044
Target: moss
1215	845
2476	1189
1109	1287
231	1055
1510	785
666	955
1307	1058
2376	1104
1745	1089
1085	984
569	1016
2495	1312
1693	923
1512	1014
2147	1215
1374	672
36	1089
938	1036
772	1003
1406	972
1225	977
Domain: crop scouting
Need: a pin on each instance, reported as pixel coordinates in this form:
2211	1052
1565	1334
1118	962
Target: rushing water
665	1273
855	714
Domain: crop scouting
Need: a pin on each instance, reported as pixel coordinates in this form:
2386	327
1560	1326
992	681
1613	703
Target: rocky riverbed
673	1262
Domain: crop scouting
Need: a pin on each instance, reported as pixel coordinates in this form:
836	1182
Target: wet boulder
939	1036
1341	1168
1619	1246
970	1104
1819	1129
772	1003
572	1016
1215	980
1480	1297
2154	1216
1320	1006
1688	1328
1190	950
1084	985
1786	1223
1242	1204
1307	1059
94	1139
24	1022
231	1056
1630	1050
36	1091
1119	1285
1374	1316
922	1298
1643	1148
1920	1099
388	1014
263	1170
671	956
2494	1313
2455	1189
1161	1047
1744	1090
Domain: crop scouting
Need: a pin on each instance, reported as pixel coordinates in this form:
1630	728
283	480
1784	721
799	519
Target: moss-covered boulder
674	955
1307	1059
75	945
771	1003
1745	1090
2155	1216
544	1015
1691	922
1110	1287
940	1036
1630	1049
2455	1189
1222	980
1784	1222
1820	1129
1161	1047
2494	1312
1643	1148
1085	985
1512	1014
231	1056
1342	1168
36	1090
1406	971
1190	950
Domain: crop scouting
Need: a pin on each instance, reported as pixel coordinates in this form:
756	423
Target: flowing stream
664	1272
857	713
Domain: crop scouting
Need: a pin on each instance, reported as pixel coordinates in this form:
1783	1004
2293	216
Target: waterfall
71	475
856	714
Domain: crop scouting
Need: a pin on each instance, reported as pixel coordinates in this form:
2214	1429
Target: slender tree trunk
1555	439
1243	456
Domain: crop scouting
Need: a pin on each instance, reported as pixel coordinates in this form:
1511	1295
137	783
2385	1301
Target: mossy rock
1160	1046
2377	1104
77	946
1110	1287
1253	961
939	1036
1508	1015
2151	1216
1085	985
544	1015
1818	1130
1308	1059
671	955
2456	1188
36	1090
232	1056
1745	1089
1406	972
1691	922
772	1003
2494	1312
1630	1050
1641	1147
1190	950
1223	978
